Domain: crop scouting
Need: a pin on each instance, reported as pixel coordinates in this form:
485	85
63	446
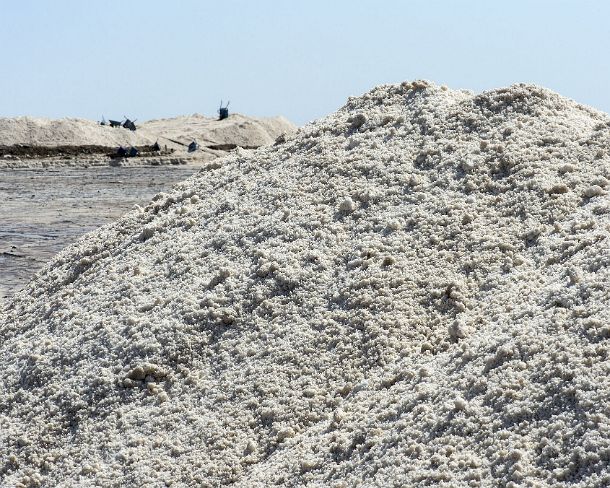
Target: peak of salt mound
410	291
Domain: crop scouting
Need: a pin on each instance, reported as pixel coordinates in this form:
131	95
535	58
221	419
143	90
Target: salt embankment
411	291
34	141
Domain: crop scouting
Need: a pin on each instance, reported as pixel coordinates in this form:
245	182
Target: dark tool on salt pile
223	112
115	123
129	124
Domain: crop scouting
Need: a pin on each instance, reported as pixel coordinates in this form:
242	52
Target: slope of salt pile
412	291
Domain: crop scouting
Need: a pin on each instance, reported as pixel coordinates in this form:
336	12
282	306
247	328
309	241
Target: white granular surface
412	291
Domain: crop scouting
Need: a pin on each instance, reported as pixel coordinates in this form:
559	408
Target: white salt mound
412	291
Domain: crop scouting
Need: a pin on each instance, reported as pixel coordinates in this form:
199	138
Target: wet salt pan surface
44	210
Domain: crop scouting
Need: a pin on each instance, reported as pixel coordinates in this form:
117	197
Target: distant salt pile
38	131
173	133
237	130
412	291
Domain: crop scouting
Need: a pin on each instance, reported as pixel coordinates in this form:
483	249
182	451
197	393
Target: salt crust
411	291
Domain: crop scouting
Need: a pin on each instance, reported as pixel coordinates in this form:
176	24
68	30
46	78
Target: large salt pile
412	291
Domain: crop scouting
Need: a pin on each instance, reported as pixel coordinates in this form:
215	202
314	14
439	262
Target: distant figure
156	146
121	151
223	112
193	146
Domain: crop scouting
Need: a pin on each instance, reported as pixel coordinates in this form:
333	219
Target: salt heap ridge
410	291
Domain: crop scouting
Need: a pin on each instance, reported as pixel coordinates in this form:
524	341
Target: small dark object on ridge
156	146
223	112
123	152
129	124
193	146
115	123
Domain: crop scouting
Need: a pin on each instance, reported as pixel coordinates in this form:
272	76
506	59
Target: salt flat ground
44	210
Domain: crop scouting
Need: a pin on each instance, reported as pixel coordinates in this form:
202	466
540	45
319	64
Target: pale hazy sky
153	58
